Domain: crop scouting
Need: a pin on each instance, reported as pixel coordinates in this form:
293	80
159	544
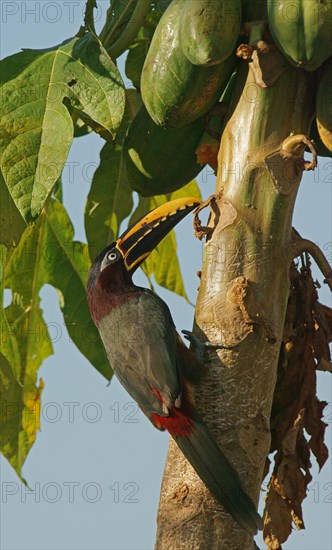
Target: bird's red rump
176	423
179	422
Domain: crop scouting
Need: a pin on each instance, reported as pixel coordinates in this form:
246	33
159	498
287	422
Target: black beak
138	241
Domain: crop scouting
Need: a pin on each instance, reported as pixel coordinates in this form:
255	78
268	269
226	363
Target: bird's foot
200	347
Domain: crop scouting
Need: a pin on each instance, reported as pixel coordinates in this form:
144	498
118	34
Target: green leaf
20	414
110	198
136	57
20	395
12	224
120	13
39	87
57	191
8	343
133	105
163	262
189	190
47	254
118	16
81	127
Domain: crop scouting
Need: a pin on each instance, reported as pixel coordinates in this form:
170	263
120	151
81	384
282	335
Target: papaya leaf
70	280
49	255
20	395
136	57
12	224
163	262
81	127
120	13
46	254
8	343
189	190
20	415
110	198
133	105
39	87
57	190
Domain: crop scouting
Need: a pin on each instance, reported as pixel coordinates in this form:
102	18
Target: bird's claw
200	347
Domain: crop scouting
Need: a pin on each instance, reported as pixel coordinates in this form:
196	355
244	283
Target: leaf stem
131	30
108	30
88	15
301	245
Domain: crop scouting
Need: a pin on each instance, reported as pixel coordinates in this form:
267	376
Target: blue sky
96	467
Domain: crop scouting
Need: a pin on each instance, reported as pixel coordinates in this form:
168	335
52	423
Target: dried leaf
296	409
276	518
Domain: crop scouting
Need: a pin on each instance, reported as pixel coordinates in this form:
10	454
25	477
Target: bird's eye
112	256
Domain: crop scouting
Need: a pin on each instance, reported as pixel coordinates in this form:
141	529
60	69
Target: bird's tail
219	476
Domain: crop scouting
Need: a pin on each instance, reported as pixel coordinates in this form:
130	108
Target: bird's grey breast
140	340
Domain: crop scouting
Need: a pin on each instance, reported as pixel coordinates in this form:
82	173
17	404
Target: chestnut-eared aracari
150	359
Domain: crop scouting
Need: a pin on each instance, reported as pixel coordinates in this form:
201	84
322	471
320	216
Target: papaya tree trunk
242	297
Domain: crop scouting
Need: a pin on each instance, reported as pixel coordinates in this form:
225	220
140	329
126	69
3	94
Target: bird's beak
138	241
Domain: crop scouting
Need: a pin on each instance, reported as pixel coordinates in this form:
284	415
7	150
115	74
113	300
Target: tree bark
242	299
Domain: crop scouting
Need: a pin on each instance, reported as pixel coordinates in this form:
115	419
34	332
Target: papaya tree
242	88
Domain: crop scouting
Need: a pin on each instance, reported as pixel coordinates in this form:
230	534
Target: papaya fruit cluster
183	77
190	65
302	29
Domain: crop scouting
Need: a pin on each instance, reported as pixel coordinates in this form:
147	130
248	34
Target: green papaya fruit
209	30
139	48
302	30
324	105
174	90
160	160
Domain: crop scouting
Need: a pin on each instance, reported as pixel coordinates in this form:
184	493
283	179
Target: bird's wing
141	343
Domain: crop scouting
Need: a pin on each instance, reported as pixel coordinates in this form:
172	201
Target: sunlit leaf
20	395
20	414
47	254
110	198
8	343
39	87
12	224
189	190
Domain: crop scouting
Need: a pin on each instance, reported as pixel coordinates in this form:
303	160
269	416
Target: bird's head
113	268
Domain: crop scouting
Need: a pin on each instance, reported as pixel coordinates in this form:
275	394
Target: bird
150	359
